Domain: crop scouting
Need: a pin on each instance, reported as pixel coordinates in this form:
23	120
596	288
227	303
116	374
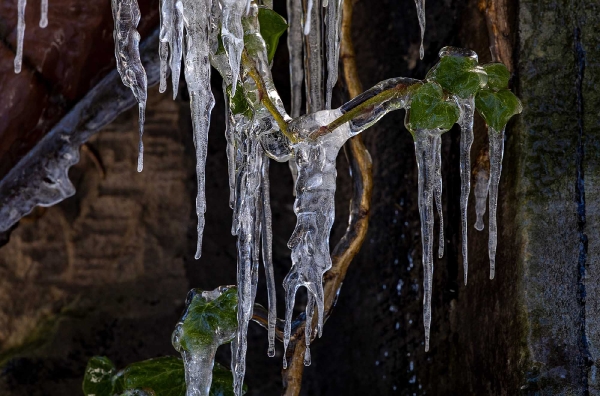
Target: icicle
232	34
295	44
437	153
307	23
165	37
467	110
334	19
482	181
421	15
176	45
126	15
197	75
313	59
267	254
44	14
198	352
427	144
496	154
20	34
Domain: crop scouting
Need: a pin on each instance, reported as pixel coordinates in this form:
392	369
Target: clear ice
334	19
232	34
467	110
482	182
44	14
427	146
421	15
496	154
126	15
20	34
198	350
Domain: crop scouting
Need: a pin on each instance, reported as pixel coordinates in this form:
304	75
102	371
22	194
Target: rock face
106	271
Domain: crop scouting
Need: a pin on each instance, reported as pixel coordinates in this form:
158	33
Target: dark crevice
584	353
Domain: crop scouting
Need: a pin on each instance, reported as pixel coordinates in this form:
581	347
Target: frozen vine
226	34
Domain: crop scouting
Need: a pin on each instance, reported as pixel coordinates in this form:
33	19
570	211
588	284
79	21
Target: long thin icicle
421	15
334	19
496	154
197	75
427	144
20	34
437	154
467	110
126	14
313	58
44	14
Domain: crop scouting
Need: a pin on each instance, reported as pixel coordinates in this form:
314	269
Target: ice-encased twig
334	19
198	347
20	34
467	110
126	15
295	43
41	177
496	154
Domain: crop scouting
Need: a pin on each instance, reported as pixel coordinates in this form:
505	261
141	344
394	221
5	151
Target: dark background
106	272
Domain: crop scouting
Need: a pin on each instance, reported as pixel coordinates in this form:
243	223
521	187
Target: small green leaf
498	76
98	378
429	110
238	103
222	383
165	376
208	322
497	108
459	75
272	26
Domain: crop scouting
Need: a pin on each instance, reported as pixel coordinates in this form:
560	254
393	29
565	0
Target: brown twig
349	245
497	21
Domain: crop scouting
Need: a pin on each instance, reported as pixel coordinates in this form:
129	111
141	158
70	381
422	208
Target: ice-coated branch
41	177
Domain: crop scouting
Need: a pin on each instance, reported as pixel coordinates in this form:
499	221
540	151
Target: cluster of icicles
189	32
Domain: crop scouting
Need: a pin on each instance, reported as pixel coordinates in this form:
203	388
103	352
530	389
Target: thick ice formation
313	58
206	324
126	14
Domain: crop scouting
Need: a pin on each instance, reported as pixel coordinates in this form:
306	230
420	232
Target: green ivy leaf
238	103
497	108
205	319
459	75
164	376
222	383
429	110
98	378
498	76
272	26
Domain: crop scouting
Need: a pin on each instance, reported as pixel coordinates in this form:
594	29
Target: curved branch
349	245
41	177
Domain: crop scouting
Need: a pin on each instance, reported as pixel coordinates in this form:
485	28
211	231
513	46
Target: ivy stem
391	93
264	96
